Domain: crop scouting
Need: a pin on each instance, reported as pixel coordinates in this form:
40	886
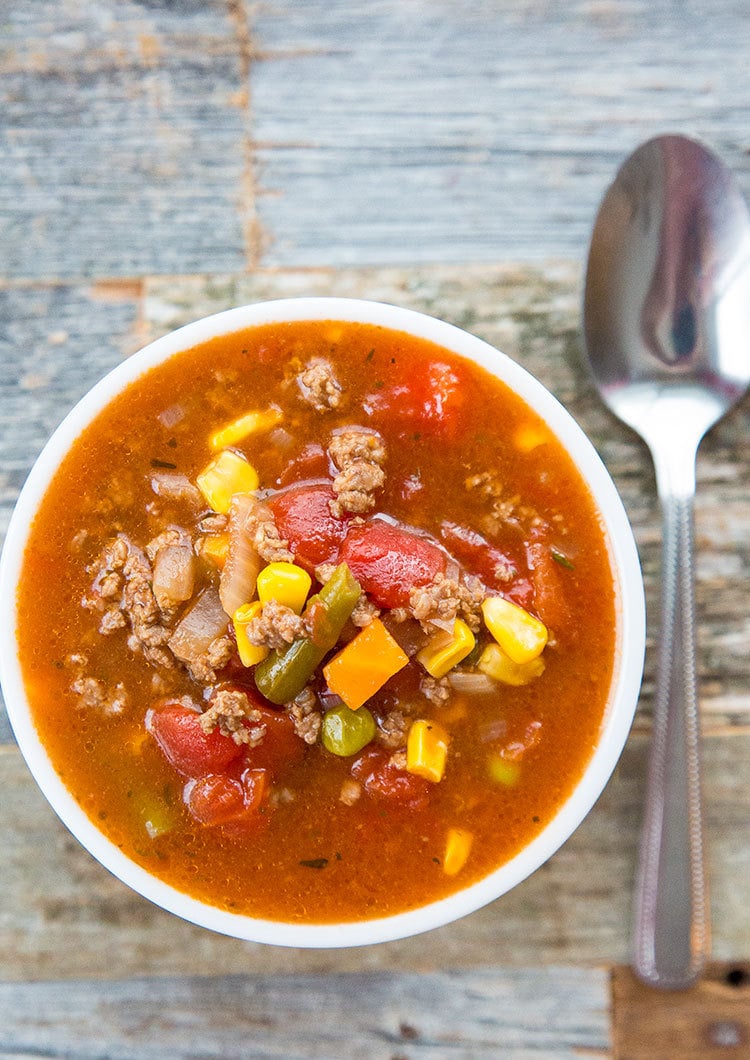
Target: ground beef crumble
319	386
324	572
203	668
351	790
231	712
267	540
276	626
95	695
358	454
122	592
393	729
436	690
445	599
306	716
364	611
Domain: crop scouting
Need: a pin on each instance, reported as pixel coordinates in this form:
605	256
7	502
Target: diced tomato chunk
310	462
383	780
215	799
280	747
192	752
490	563
304	519
223	799
429	403
547	578
389	561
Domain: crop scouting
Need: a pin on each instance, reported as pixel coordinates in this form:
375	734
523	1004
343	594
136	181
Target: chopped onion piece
174	486
171	416
472	684
199	627
243	564
174	575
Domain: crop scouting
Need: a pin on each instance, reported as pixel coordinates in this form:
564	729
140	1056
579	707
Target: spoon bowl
666	325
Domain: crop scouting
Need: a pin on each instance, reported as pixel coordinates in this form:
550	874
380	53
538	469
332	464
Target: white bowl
629	645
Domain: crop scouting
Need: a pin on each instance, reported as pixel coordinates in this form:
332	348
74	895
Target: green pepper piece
345	732
283	674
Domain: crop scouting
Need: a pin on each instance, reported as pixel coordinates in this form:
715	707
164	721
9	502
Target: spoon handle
671	932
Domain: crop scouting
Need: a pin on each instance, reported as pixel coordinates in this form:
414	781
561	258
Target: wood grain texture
64	917
122	139
558	1014
449	131
711	1021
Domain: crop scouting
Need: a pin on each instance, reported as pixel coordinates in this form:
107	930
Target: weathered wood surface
711	1021
474	131
555	1013
207	136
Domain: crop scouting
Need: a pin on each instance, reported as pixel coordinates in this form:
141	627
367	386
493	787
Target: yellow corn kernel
445	650
503	771
227	474
519	634
427	750
500	667
215	548
250	654
528	436
250	423
457	849
286	583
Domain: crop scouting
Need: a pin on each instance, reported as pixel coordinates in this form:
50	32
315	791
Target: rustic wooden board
123	139
64	917
711	1021
417	132
556	1013
178	138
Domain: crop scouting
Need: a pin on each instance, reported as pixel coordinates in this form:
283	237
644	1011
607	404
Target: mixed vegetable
317	633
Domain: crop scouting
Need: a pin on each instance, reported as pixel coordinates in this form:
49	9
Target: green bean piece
283	674
345	732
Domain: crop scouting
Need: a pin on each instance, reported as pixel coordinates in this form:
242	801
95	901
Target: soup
317	622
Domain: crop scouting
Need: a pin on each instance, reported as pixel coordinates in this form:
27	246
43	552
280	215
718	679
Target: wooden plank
558	1013
123	139
711	1021
533	314
65	917
415	133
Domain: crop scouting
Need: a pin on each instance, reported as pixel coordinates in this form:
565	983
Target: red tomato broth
317	860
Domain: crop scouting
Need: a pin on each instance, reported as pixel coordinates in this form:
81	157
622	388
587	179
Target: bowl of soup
322	623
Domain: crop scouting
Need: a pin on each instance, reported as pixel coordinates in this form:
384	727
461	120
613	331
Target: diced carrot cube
364	665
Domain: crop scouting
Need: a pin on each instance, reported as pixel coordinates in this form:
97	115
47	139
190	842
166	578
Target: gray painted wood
394	132
65	917
122	139
521	1014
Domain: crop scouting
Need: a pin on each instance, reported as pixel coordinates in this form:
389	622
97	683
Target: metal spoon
667	329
